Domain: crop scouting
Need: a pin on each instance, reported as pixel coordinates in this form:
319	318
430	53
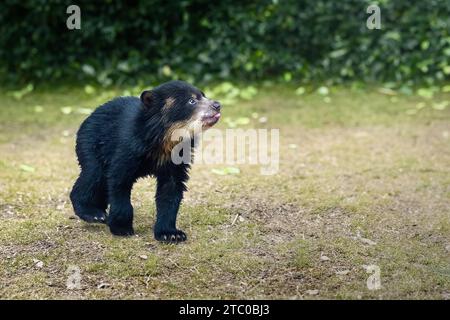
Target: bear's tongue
211	120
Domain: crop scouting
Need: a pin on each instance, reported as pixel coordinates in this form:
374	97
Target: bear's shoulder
120	104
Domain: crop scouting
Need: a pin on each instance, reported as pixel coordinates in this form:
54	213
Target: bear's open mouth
210	120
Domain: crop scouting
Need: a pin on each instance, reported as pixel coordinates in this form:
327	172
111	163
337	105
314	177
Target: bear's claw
94	218
171	236
121	231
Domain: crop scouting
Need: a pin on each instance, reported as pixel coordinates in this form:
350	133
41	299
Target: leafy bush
204	40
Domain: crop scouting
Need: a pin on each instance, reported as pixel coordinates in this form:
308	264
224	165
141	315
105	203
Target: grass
363	180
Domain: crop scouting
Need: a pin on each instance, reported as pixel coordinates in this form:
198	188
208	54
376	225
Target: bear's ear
146	98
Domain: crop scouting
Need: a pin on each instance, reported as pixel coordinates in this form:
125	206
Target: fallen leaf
263	119
66	110
166	71
84	111
242	121
229	122
103	285
387	91
367	241
19	94
406	90
38	109
232	170
300	91
225	171
425	93
440	105
27	168
38	263
323	91
393	99
248	93
220	172
88	69
343	272
312	292
420	105
364	240
89	89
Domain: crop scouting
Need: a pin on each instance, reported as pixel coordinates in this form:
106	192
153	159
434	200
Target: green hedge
213	40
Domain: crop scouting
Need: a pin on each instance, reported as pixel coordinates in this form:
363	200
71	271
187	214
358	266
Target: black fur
122	141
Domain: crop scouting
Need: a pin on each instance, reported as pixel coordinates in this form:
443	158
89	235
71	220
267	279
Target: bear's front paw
122	231
170	236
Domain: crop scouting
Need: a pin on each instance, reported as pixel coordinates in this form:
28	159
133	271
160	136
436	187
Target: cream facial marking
168	103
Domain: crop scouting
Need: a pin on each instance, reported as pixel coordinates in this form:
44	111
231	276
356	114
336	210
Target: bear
129	138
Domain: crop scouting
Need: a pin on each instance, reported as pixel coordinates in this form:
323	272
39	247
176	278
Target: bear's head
181	106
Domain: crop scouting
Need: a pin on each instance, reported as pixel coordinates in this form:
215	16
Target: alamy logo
73	22
374	20
374	280
74	278
232	146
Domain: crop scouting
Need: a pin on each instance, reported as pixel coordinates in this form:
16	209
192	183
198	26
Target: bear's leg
120	218
169	193
89	197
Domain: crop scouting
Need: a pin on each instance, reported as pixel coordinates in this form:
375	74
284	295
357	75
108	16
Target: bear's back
106	126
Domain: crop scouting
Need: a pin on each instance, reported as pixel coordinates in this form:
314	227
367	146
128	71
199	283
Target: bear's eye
192	101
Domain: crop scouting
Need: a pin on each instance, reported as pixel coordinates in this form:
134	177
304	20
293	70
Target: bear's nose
216	106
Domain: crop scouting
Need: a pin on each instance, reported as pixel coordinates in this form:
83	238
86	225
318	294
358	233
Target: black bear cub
128	138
